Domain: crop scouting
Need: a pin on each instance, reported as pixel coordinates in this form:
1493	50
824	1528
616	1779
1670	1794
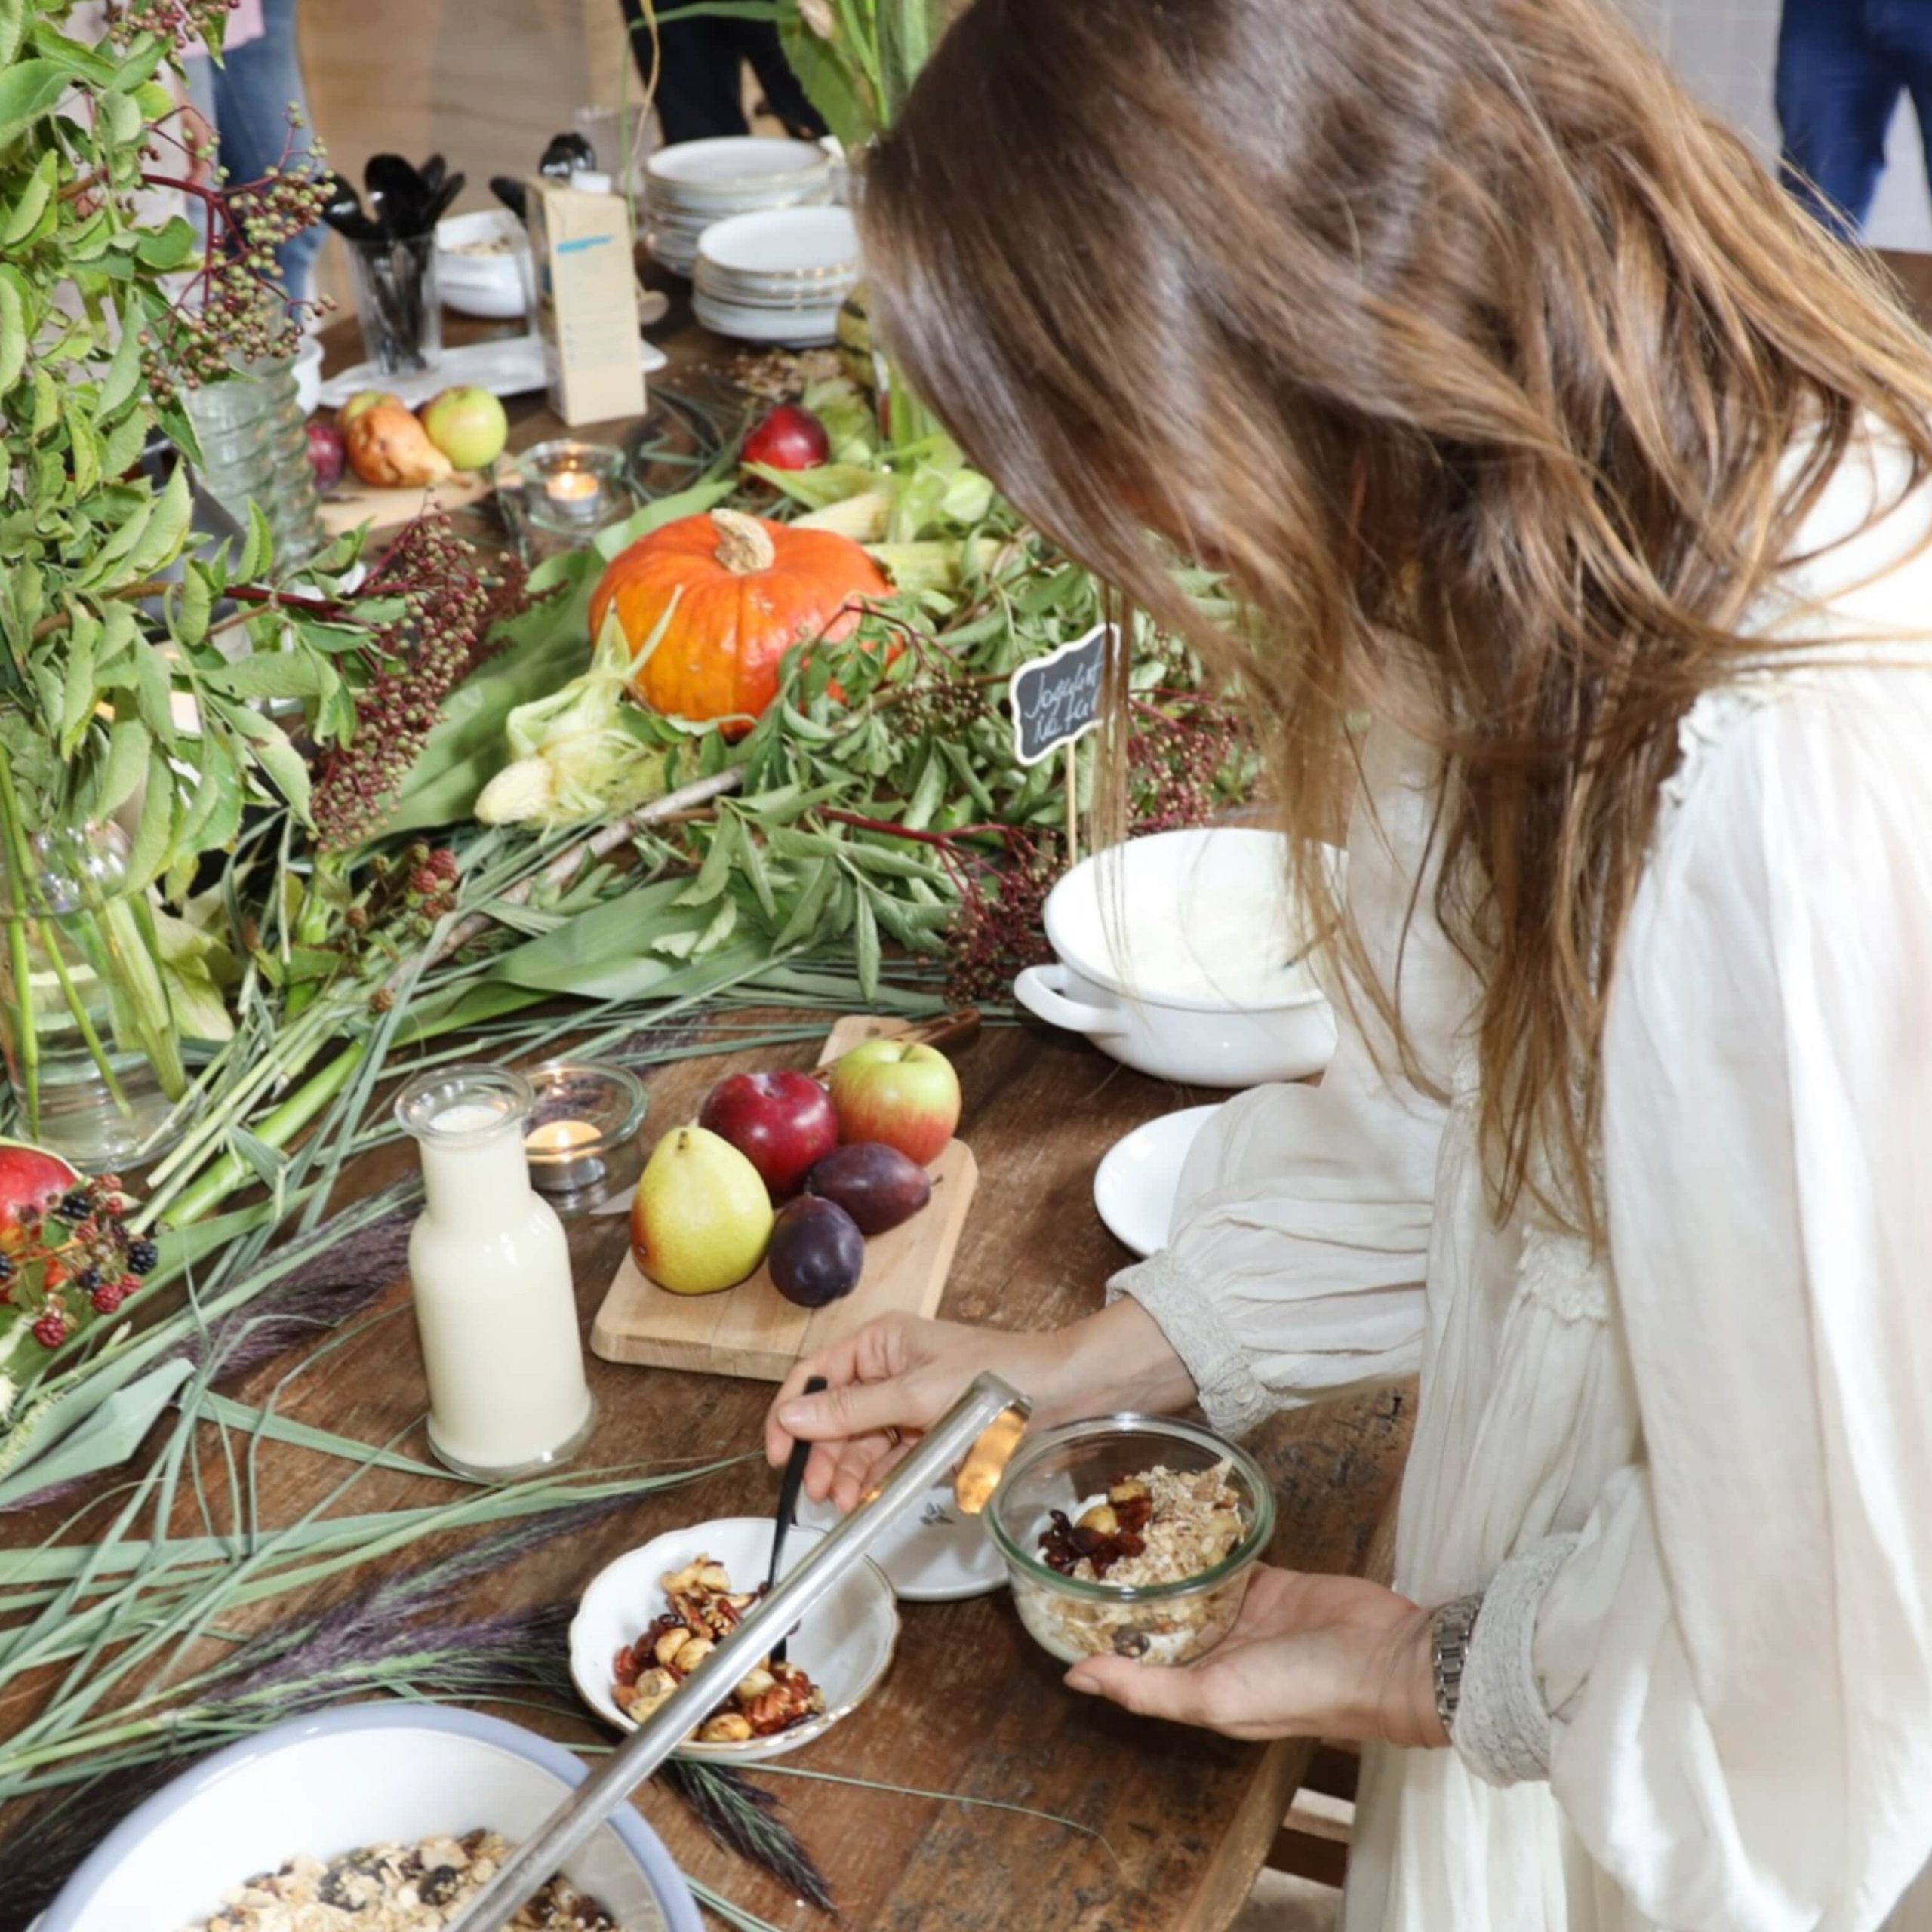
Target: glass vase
93	1051
254	435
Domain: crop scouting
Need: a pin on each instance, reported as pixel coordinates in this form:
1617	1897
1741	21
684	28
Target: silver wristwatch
1450	1631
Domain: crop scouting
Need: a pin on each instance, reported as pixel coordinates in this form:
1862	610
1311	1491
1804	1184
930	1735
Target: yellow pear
702	1218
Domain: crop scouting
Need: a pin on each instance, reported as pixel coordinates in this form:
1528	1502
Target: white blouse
1693	1478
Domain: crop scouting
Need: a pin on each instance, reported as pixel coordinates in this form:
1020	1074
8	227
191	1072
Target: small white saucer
1139	1176
939	1555
845	1644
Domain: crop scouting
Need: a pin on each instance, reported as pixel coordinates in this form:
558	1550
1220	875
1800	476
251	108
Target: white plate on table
1138	1177
510	365
940	1554
845	1644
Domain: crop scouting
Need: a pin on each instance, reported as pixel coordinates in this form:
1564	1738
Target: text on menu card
1056	699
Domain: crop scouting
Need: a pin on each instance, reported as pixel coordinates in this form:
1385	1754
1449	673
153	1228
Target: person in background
1842	66
1527	416
700	76
246	101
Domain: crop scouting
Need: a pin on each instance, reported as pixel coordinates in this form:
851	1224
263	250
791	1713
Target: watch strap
1450	1632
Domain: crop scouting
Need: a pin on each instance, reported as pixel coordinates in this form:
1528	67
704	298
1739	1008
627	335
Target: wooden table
971	1706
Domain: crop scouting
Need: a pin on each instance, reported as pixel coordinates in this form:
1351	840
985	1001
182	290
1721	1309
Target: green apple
701	1219
364	399
468	426
906	1096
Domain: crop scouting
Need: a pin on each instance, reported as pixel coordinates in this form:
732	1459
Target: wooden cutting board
752	1331
353	502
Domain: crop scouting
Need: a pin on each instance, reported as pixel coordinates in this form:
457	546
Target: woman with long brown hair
1529	418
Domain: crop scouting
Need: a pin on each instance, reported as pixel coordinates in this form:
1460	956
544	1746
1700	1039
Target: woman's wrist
1407	1714
1117	1359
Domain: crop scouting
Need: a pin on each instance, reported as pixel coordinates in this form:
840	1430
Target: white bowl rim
805	157
1105	975
799	1735
731	245
674	1894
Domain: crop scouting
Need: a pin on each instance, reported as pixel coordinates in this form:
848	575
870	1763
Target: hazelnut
670	1643
647	1693
1130	1490
756	1684
691	1653
727	1727
1101	1520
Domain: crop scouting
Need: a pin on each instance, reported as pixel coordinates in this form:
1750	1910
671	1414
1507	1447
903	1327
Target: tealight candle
562	1164
575	494
582	1138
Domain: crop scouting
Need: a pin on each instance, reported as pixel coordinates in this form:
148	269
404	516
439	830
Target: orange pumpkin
747	591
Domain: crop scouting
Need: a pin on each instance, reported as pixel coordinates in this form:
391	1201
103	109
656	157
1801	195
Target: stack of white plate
778	276
689	186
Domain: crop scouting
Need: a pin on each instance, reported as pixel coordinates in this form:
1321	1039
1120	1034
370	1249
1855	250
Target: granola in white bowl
420	1887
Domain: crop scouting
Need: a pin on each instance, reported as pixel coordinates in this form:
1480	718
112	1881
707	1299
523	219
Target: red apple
789	438
328	457
31	1181
906	1096
783	1123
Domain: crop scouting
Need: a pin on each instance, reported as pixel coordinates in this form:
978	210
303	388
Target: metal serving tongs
979	1434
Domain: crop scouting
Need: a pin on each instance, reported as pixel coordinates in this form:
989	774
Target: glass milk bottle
492	1275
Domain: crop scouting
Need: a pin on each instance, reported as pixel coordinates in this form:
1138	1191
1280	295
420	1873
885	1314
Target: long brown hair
1497	374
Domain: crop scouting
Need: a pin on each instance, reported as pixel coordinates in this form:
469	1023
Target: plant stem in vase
91	1043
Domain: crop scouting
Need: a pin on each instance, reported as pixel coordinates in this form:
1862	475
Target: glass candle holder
572	489
491	1273
581	1137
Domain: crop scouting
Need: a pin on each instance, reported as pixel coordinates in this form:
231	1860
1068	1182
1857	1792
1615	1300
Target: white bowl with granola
1130	1536
649	1619
392	1814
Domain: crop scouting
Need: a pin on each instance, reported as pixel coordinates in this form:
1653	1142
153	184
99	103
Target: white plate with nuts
939	1555
649	1618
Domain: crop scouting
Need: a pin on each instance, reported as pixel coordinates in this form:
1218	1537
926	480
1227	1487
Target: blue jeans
247	98
1842	65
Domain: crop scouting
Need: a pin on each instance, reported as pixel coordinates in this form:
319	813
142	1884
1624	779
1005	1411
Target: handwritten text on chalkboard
1057	699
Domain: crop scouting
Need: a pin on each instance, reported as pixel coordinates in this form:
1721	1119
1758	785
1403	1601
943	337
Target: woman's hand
896	1376
1308	1657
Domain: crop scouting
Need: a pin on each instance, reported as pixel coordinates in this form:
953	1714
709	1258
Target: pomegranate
789	438
31	1182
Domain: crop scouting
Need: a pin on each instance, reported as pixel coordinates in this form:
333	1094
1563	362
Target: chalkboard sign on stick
1056	699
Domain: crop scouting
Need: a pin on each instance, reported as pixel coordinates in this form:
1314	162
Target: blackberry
75	1206
143	1256
6	1267
87	1280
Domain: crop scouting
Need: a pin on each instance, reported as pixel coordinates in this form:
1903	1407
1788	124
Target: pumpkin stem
744	544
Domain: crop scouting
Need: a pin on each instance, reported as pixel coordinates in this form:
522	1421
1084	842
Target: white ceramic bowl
1138	1180
806	245
362	1775
1175	955
734	171
795	328
496	287
939	1555
845	1645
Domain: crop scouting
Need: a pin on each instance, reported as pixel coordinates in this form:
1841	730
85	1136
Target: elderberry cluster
942	702
73	1253
236	312
189	25
1179	767
1001	925
450	611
